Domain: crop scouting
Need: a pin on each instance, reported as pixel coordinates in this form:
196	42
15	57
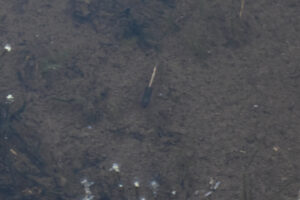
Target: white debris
136	184
154	185
115	167
217	185
207	193
10	98
173	192
88	194
214	185
86	183
7	47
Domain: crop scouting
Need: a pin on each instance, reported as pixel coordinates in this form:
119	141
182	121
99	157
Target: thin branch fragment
242	8
152	77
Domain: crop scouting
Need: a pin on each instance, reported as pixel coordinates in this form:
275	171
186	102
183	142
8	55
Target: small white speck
142	198
136	184
255	106
10	98
7	47
173	192
121	185
86	183
115	167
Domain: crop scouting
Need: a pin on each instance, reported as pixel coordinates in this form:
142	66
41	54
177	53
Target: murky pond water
219	120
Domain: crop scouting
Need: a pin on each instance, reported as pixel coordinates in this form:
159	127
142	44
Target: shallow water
222	122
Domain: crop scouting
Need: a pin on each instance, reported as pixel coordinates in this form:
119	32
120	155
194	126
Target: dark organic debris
20	160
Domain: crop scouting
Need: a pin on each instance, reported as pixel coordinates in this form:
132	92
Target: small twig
148	90
242	8
152	76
